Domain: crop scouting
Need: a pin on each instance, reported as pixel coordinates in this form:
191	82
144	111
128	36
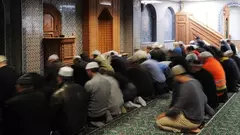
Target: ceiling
183	0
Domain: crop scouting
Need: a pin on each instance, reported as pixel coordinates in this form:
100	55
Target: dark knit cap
26	79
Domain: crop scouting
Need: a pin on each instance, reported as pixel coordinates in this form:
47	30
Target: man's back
8	78
80	74
144	88
69	105
209	87
99	89
191	100
116	97
51	72
27	114
152	67
119	64
217	72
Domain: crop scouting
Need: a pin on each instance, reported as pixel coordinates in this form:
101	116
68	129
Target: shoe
141	101
130	104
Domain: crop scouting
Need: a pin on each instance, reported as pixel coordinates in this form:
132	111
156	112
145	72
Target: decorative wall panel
147	24
32	28
32	31
137	24
13	33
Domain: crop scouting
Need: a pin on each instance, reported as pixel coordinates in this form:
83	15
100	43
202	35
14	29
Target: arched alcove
169	24
149	24
224	18
52	26
2	28
105	31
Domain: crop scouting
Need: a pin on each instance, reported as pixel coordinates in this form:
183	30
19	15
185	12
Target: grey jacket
190	99
99	89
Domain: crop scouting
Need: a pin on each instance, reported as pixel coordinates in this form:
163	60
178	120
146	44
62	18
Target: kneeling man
188	107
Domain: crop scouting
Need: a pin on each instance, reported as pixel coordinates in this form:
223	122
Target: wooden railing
188	28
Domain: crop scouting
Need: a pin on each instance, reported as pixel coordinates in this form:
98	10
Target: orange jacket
218	73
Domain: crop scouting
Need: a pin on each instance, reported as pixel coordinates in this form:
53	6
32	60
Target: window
148	32
169	22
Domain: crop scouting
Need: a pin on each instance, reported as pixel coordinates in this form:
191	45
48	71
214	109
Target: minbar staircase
188	28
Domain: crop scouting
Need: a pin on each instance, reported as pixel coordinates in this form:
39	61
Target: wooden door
105	29
182	27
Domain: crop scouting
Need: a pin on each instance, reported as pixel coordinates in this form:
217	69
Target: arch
169	31
221	21
105	29
149	24
52	24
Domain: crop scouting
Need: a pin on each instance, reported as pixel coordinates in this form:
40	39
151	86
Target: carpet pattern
139	122
142	121
227	121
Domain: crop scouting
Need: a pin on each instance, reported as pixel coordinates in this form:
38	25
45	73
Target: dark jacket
233	47
69	107
26	114
179	60
119	65
209	87
80	75
232	73
8	78
190	99
144	88
237	60
51	73
129	90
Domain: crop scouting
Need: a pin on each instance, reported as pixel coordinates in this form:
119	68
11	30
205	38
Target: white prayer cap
96	52
205	55
228	53
66	72
222	40
114	52
191	57
3	58
181	43
157	45
140	54
92	65
178	70
192	42
195	46
77	57
176	44
53	57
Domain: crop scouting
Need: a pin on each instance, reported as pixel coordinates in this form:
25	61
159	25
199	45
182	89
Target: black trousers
223	98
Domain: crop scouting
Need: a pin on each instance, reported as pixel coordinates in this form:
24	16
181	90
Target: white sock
141	101
130	104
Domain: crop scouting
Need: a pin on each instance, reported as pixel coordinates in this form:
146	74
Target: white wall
234	24
161	9
206	12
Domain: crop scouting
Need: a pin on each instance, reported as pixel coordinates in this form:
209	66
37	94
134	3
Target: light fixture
150	1
105	2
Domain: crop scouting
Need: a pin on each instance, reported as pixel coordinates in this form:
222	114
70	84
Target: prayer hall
119	67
